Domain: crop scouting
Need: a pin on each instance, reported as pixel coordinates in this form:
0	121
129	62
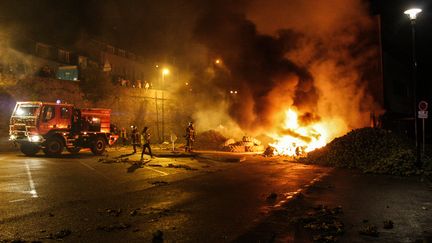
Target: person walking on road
135	138
190	137
123	136
145	141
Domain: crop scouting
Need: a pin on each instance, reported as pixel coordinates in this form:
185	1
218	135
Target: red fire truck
52	127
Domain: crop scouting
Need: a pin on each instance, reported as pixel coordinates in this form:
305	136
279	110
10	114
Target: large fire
296	139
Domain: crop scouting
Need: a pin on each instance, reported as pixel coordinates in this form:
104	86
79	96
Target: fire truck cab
52	127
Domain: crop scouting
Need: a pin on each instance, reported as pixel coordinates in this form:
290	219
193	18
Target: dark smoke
257	65
320	58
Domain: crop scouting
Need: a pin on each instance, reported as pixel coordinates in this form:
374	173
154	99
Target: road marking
33	191
98	172
149	168
290	195
17	200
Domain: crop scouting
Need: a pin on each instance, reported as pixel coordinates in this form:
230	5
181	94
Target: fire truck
53	127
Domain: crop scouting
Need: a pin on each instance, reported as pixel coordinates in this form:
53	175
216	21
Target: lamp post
412	13
165	72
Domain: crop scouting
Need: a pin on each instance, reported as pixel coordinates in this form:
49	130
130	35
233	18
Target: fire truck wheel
98	146
74	150
29	149
53	147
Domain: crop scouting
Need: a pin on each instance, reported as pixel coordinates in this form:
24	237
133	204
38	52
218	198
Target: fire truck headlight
35	138
12	137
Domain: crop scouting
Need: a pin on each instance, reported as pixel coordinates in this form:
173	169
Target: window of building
122	52
42	50
63	56
110	49
82	61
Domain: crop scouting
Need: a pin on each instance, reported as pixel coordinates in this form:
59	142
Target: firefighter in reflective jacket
135	138
145	141
190	137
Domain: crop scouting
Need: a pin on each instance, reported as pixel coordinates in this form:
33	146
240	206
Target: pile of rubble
209	140
371	150
247	144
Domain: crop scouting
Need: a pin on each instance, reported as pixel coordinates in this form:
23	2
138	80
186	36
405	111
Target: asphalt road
209	198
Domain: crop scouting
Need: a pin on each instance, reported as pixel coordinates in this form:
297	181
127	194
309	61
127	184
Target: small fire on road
296	138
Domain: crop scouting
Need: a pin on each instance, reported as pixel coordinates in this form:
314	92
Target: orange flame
296	140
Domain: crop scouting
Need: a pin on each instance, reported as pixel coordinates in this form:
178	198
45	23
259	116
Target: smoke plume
316	56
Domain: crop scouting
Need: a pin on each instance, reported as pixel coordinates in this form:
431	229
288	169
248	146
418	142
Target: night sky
145	27
150	28
396	38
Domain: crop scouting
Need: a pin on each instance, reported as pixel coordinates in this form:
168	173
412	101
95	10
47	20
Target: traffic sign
423	114
423	105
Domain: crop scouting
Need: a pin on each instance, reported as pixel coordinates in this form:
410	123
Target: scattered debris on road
108	160
59	235
154	165
114	227
181	166
18	240
134	212
324	223
111	212
369	230
62	234
158	183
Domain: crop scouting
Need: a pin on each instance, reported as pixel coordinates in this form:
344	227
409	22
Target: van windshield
26	110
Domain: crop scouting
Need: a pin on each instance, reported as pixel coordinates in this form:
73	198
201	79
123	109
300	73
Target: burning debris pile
371	150
247	144
297	137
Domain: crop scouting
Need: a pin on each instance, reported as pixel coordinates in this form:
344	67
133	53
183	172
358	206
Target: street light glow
165	71
412	13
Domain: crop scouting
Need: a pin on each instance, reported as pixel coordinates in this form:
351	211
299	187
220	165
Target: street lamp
165	71
412	13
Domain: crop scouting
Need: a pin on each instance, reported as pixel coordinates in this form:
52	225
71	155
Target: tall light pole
412	13
165	72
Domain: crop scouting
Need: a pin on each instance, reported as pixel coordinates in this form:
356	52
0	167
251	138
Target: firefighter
145	141
135	138
123	136
190	137
76	121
